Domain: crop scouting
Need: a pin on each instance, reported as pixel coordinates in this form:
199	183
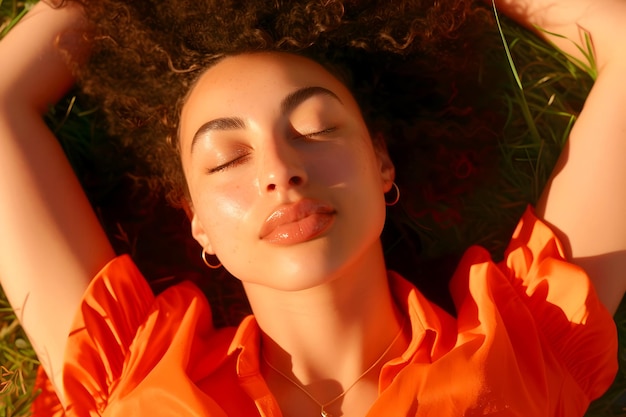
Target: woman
285	186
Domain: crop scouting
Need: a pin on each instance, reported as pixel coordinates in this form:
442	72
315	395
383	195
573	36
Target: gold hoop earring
395	200
203	256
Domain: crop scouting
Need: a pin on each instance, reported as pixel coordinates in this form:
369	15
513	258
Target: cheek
349	166
222	210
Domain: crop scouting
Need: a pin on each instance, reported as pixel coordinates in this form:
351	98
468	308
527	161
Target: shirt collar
426	319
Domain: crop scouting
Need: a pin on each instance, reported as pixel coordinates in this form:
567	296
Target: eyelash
243	158
318	133
231	164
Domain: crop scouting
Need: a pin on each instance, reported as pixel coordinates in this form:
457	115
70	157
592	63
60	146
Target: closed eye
317	134
230	164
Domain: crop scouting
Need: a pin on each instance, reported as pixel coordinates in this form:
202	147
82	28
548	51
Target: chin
293	275
306	266
304	278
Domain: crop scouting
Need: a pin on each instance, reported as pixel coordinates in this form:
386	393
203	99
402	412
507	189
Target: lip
297	222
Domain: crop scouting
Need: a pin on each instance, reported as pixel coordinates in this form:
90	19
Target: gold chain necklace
323	412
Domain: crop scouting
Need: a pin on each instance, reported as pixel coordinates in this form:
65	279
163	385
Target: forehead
241	84
255	70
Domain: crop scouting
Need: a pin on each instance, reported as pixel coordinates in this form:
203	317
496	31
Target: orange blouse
530	339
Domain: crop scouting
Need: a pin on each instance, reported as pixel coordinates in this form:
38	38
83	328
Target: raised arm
586	197
52	243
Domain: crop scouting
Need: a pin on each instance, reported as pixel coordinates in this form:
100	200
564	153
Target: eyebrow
290	102
293	100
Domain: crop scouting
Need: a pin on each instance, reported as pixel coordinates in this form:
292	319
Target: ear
387	169
199	233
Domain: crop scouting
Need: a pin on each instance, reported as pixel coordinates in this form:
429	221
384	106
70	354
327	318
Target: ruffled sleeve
102	334
128	348
580	331
544	339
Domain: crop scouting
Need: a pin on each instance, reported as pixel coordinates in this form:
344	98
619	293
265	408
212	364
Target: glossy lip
297	222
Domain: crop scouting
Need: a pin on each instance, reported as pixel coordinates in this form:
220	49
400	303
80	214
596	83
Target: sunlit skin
247	154
314	273
287	190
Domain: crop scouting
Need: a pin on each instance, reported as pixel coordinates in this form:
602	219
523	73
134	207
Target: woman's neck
333	332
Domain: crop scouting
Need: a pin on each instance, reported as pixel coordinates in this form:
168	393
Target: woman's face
286	187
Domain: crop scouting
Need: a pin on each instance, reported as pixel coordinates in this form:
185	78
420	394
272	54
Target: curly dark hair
402	60
409	64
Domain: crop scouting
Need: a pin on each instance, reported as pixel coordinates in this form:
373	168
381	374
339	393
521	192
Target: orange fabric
531	339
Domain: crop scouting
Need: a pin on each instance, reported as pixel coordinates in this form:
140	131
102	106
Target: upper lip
292	212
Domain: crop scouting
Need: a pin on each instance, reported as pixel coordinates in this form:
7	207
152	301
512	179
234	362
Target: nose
282	167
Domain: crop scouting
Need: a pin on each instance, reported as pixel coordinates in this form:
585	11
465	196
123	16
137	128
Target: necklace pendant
325	414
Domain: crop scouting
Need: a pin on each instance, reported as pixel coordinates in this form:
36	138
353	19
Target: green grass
10	13
545	94
541	101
